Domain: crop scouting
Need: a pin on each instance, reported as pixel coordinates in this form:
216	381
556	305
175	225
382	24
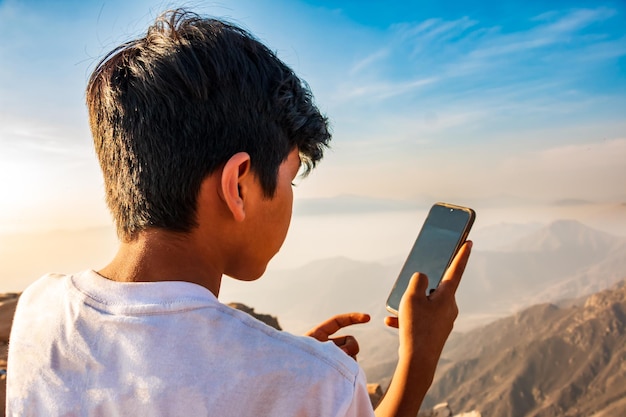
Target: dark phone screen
441	235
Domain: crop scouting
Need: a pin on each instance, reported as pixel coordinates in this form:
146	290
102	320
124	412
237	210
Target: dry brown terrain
7	308
547	361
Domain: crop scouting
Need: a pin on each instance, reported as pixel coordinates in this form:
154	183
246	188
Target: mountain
499	236
306	296
563	235
565	259
541	362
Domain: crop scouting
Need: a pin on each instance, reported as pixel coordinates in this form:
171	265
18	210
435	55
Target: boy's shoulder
182	310
178	337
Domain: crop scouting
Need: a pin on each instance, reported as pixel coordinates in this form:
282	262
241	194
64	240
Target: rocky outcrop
8	302
265	318
376	393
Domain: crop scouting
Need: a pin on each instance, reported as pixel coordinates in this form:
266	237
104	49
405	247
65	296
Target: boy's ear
235	169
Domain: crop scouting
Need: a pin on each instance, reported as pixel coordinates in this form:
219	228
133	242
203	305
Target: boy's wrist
418	360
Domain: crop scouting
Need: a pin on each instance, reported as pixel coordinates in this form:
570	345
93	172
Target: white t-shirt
82	345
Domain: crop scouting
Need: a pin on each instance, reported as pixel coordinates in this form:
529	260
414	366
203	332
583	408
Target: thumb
417	285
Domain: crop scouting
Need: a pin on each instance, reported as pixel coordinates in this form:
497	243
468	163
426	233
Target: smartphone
444	231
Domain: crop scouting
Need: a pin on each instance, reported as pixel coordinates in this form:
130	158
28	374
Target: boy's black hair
170	108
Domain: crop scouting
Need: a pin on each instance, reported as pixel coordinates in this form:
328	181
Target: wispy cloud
464	48
432	31
32	140
384	89
369	60
542	68
560	31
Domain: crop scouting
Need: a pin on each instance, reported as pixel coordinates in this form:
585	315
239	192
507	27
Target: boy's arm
424	323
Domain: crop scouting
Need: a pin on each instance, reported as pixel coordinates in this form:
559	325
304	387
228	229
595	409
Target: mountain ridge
564	233
565	259
543	361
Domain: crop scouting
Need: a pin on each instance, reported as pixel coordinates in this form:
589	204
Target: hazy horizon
380	236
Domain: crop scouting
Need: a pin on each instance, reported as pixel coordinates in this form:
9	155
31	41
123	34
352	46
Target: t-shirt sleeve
361	405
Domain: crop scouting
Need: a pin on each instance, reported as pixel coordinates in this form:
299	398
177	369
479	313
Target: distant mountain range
563	260
564	356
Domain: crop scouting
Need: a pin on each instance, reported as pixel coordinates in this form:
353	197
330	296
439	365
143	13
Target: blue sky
465	101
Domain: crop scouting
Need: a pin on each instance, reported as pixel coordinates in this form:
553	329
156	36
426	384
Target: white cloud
560	31
579	19
432	30
381	90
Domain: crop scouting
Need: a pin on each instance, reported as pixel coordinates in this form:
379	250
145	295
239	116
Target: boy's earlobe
235	169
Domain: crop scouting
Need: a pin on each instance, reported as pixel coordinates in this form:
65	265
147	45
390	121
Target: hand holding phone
425	321
444	231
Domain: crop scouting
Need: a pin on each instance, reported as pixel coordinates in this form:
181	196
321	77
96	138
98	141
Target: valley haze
372	234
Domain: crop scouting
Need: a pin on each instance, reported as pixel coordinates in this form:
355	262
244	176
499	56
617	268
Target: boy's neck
158	255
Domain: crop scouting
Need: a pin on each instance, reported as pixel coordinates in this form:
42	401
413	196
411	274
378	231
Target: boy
200	131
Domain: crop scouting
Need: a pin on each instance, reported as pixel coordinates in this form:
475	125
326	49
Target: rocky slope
544	361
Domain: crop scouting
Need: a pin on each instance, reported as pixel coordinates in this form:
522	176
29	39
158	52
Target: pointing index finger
331	326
